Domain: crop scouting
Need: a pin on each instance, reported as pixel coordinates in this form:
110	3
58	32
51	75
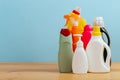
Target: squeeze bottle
95	51
65	53
79	62
87	34
100	22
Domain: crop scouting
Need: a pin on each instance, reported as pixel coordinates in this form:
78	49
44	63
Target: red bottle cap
76	11
65	32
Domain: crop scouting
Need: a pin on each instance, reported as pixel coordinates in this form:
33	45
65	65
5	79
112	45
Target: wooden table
49	71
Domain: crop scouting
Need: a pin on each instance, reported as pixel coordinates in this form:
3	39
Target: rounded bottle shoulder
95	42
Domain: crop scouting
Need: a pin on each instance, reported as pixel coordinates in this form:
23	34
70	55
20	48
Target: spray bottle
75	23
79	62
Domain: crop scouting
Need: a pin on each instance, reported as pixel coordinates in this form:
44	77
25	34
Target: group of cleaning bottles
82	48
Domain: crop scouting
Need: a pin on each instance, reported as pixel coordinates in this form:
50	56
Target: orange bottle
75	30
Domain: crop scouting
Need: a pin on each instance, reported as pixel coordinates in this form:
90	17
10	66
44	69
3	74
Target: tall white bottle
99	21
79	62
95	51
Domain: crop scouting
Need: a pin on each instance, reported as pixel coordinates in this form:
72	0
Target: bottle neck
96	37
74	22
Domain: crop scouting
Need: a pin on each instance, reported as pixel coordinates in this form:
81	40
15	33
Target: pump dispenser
79	62
95	51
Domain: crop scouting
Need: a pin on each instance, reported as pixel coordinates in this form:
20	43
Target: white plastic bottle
79	62
95	51
99	21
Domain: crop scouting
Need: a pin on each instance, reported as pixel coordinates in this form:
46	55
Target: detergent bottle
75	23
65	53
87	34
79	62
100	22
95	51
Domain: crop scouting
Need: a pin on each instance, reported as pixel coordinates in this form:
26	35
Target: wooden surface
49	71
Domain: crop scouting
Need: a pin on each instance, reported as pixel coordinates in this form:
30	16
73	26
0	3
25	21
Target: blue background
29	29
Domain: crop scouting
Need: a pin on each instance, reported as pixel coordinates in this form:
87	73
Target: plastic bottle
87	34
100	22
75	39
95	51
75	23
79	62
65	51
76	15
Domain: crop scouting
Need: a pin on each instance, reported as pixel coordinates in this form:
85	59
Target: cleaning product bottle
65	51
79	62
75	23
87	34
95	51
76	15
100	22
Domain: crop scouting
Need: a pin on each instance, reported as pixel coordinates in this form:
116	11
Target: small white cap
98	21
79	43
99	18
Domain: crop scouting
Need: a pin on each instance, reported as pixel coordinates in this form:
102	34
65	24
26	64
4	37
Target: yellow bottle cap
96	31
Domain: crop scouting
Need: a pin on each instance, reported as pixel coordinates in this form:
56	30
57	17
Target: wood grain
49	71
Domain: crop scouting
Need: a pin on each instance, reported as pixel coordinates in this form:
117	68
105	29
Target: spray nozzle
77	11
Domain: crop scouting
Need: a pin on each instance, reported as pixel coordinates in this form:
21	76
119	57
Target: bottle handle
108	54
106	33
